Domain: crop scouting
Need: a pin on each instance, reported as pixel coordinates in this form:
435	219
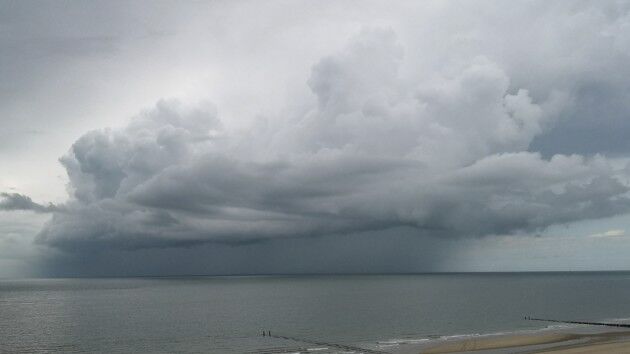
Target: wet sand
499	342
548	342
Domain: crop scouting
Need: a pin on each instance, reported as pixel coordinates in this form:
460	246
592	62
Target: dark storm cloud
445	156
16	201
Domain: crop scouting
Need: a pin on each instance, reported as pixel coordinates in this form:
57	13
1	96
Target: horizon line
318	274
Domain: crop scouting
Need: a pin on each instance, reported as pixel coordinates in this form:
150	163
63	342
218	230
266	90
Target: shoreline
553	341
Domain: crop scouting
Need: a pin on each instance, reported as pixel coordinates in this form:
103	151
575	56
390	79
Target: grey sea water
227	314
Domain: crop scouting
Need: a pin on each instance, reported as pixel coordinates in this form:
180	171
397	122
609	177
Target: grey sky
366	137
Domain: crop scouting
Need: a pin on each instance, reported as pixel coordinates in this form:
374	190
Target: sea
319	313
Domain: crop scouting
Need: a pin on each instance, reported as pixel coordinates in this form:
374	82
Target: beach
560	342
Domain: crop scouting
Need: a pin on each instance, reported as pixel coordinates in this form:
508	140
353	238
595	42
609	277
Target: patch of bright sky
581	246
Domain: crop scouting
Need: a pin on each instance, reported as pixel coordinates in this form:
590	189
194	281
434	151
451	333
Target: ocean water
227	314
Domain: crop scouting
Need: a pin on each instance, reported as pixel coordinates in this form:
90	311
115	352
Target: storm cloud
16	201
446	155
437	121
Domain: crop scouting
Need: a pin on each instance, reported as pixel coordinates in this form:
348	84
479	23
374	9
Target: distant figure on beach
263	333
269	333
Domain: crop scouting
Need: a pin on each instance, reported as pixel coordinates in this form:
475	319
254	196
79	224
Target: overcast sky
229	137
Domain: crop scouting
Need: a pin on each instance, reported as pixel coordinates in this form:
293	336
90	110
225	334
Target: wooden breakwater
623	325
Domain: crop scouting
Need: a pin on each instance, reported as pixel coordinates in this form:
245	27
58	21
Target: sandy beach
547	342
